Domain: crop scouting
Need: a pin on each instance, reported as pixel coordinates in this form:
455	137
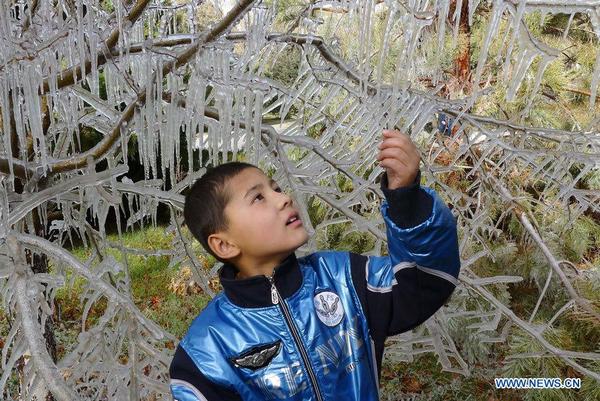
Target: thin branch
170	198
36	342
579	91
542	294
519	211
584	303
75	182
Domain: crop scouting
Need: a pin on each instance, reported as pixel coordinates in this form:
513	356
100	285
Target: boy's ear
222	247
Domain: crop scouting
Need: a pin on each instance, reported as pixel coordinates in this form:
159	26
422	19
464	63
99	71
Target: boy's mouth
294	219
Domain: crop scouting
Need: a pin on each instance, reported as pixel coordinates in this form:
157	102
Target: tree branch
19	168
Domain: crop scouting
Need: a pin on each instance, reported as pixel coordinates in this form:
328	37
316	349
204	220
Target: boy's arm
400	291
189	384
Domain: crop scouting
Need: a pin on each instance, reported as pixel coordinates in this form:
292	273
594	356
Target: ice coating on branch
167	84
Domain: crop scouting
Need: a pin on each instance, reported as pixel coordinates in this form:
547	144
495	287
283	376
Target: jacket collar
255	292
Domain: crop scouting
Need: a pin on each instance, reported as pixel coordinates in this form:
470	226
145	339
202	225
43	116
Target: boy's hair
204	209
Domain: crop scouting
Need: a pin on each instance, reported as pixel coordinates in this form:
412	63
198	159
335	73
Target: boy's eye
256	197
260	195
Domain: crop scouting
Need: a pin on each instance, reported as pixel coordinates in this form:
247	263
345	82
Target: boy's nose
286	199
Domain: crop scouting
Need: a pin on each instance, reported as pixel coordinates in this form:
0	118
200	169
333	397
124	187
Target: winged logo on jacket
257	357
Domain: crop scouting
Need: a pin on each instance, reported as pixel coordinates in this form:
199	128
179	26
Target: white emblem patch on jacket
328	307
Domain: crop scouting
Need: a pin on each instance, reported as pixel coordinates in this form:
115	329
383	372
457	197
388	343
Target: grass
424	379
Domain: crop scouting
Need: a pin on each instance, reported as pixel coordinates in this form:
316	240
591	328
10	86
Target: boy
309	328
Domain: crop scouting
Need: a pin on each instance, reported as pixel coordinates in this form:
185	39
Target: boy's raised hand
400	158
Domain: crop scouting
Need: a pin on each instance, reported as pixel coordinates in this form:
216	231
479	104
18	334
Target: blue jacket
316	329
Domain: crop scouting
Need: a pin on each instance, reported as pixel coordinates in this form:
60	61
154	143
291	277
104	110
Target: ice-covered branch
567	357
32	330
19	168
73	74
584	303
104	146
107	290
39	198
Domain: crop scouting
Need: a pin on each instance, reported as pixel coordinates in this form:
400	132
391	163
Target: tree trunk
462	67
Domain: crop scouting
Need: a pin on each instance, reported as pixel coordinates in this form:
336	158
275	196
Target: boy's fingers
394	133
395	152
391	131
394	142
394	164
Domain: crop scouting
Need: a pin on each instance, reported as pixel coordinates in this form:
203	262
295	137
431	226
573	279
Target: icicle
256	135
365	43
93	47
238	105
34	116
472	7
546	60
227	102
525	60
457	16
516	31
200	104
497	11
19	118
120	17
190	123
158	112
81	47
441	28
4	97
213	135
176	123
226	136
150	115
248	131
566	32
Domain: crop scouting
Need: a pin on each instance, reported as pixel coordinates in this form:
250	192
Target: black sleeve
189	384
410	205
414	294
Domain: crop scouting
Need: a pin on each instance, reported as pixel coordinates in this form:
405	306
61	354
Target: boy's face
257	212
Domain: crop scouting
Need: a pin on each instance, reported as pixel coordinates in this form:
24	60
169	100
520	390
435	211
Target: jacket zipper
288	318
